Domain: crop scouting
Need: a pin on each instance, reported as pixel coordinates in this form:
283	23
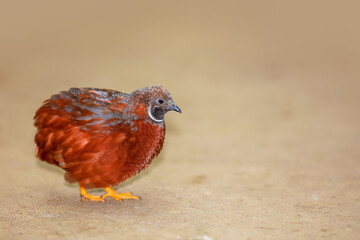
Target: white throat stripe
152	117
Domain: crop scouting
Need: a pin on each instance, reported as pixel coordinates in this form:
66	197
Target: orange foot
84	195
118	196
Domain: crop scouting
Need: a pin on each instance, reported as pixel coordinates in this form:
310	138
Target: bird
102	137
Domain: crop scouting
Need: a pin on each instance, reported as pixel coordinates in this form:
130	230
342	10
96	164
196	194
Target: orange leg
84	195
118	196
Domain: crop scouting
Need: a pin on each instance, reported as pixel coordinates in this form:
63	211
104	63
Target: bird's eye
161	101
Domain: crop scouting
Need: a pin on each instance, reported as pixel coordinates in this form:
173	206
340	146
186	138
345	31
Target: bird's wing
93	109
75	123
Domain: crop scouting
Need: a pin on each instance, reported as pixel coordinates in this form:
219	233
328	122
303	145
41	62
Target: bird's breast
143	144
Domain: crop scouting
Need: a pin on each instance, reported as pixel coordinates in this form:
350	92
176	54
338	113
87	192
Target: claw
118	196
84	195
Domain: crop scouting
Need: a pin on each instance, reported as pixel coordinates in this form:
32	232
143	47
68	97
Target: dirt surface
267	146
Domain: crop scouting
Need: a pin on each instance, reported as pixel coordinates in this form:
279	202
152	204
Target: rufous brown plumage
101	137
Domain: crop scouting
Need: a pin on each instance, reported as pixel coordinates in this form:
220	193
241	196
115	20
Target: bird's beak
173	107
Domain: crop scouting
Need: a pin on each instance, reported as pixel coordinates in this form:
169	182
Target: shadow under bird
101	137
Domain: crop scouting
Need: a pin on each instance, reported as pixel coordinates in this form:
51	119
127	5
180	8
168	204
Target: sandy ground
267	146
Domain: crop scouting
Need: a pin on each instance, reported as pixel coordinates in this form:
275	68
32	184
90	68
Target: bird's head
157	100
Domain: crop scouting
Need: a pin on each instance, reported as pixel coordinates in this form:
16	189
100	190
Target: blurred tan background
267	146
